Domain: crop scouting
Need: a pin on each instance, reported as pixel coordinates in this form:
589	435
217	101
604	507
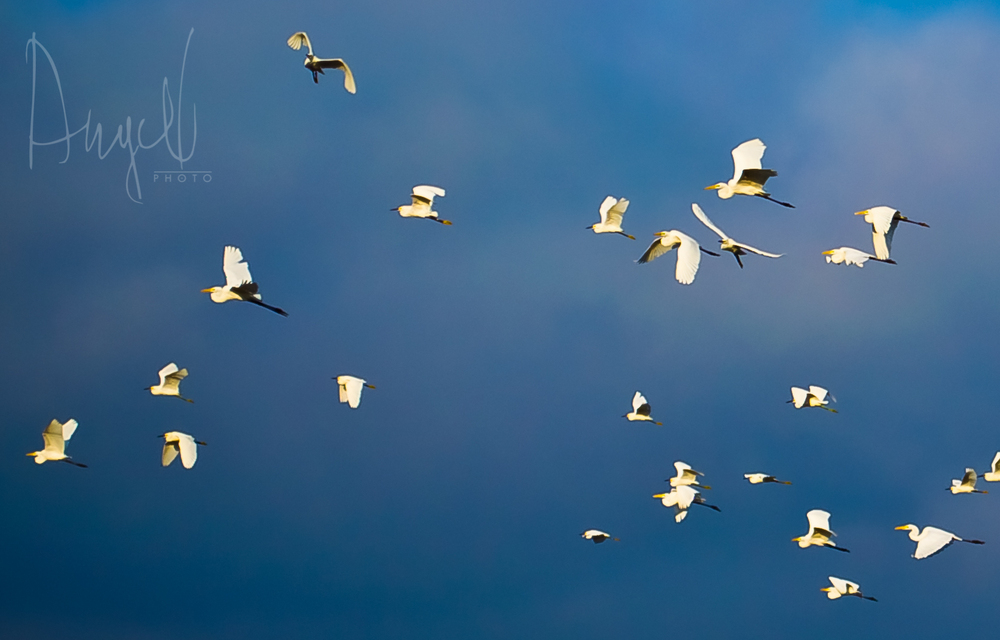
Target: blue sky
504	349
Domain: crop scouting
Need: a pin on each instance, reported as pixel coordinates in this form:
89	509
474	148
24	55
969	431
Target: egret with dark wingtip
688	253
640	410
748	176
819	533
239	285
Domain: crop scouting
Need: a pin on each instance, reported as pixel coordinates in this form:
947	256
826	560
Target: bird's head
799	539
211	290
906	527
862	213
716	186
661	234
32	454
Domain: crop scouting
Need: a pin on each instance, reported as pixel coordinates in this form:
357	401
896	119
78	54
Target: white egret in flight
748	177
170	382
686	476
350	389
758	478
612	211
884	221
819	532
967	484
422	198
316	65
688	255
681	498
597	536
728	244
931	540
56	436
640	410
814	397
175	442
843	587
847	255
993	475
239	284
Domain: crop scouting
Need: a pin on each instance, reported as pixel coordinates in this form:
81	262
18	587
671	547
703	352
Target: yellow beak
902	528
206	291
659	495
828	253
712	187
826	588
862	213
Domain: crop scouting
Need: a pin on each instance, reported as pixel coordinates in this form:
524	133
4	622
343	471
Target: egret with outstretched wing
640	410
993	475
239	285
175	442
967	484
728	244
681	498
884	221
843	587
931	540
422	201
688	253
686	476
350	389
170	382
819	533
597	536
316	65
847	255
56	435
748	176
612	211
814	397
759	478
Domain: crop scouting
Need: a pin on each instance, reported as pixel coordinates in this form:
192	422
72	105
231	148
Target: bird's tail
768	197
266	306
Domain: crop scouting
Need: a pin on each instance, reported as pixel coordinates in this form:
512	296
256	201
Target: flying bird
612	211
728	244
681	498
640	410
56	436
423	199
686	476
350	389
819	532
931	540
316	65
758	478
843	587
847	255
748	177
597	536
688	256
814	397
993	475
170	382
239	284
175	442
966	485
884	221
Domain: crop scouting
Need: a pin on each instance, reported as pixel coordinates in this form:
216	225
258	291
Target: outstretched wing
637	401
655	250
615	213
189	450
167	371
757	251
337	63
747	156
819	392
169	453
298	39
427	192
688	258
237	272
756	177
609	202
819	521
934	541
996	462
799	396
174	379
708	223
969	478
353	391
68	429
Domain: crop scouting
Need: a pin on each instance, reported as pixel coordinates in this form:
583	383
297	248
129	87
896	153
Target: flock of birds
748	179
